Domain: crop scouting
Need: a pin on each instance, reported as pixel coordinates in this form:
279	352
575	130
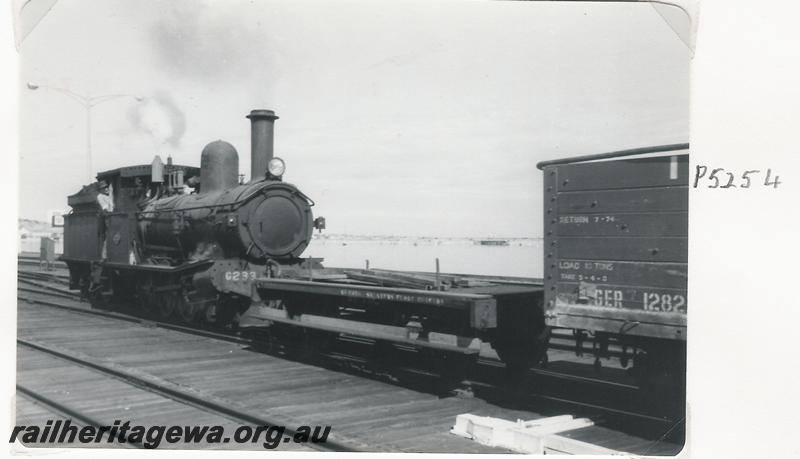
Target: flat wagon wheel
315	343
661	375
517	361
519	356
228	307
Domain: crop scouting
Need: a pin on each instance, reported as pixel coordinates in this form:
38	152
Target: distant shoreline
41	228
441	238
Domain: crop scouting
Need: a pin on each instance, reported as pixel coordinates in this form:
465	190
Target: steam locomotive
174	230
199	245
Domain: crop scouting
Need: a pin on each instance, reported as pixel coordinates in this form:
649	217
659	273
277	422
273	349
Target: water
522	257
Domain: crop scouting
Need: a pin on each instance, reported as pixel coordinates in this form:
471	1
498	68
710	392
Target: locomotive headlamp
276	167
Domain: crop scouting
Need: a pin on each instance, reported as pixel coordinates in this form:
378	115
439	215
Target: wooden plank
619	325
628	273
171	411
599	312
381	414
652	249
529	437
372	408
617	224
455	276
327	394
389	280
425	280
626	321
672	199
563	445
626	173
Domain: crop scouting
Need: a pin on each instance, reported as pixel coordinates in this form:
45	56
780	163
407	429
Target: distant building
30	233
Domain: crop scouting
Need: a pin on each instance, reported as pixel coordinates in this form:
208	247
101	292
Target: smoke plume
160	117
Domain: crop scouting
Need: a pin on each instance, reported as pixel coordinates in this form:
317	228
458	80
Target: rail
181	394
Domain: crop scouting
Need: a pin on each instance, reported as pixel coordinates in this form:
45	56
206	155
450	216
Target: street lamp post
87	102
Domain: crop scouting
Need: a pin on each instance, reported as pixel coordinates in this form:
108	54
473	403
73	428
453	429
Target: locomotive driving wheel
97	298
98	288
83	284
146	304
209	315
167	303
185	309
147	298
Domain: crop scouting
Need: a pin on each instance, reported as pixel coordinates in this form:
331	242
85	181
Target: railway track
379	416
555	391
47	409
173	392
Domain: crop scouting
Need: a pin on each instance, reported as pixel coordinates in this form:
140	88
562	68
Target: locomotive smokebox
219	167
262	136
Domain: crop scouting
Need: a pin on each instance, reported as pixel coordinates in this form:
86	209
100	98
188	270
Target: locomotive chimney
262	134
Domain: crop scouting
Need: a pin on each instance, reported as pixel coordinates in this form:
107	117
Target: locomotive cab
133	185
87	228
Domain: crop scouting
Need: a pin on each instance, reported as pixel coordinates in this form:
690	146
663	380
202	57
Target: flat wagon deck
438	312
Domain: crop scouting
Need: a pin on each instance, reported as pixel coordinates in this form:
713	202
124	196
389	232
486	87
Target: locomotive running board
191	265
264	316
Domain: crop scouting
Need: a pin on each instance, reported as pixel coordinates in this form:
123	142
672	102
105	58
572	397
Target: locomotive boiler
260	220
174	249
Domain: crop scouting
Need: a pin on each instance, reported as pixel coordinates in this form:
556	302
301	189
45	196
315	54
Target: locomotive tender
615	261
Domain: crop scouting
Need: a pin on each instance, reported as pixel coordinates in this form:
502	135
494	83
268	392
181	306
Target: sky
419	118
